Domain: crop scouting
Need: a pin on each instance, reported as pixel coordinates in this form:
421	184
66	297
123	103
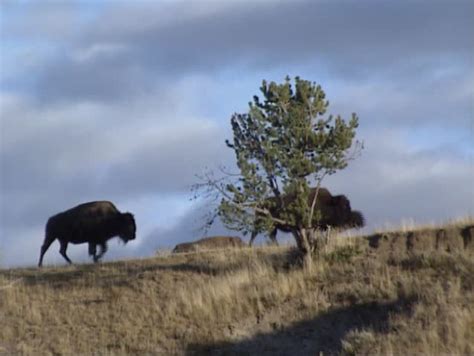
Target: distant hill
399	292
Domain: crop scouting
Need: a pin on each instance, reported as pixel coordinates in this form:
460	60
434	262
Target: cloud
433	99
38	20
98	51
392	181
55	155
150	45
295	30
189	227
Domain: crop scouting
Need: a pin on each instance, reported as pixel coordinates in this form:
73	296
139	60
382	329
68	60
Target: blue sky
129	100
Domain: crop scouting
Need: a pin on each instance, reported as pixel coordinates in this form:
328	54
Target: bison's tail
48	240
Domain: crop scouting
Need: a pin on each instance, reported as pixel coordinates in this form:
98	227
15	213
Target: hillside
400	292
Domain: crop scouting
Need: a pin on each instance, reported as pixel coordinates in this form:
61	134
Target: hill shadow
323	334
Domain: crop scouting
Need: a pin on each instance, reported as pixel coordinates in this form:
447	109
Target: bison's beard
123	240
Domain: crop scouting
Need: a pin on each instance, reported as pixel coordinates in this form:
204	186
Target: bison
209	243
335	212
93	223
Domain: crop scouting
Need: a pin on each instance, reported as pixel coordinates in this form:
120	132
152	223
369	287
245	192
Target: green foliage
284	145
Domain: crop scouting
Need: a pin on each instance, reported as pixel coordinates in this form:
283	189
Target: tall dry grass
355	301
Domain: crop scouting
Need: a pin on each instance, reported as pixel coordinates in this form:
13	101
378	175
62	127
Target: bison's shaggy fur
210	243
93	223
335	211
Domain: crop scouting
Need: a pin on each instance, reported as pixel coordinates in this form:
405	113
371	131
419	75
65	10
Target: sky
128	101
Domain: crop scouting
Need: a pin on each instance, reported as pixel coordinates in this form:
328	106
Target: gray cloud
39	20
302	29
135	47
188	228
63	155
430	98
392	181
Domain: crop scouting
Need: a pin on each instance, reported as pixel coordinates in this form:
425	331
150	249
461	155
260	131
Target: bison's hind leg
47	242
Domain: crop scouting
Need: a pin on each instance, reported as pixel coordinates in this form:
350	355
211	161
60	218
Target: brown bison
94	223
209	243
335	212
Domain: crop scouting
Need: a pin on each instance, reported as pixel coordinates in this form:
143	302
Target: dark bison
94	223
210	243
335	212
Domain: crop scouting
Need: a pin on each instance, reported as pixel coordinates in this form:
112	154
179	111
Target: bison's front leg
62	251
103	249
93	250
273	237
254	234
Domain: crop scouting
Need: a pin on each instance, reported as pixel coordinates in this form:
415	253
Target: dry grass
357	300
407	225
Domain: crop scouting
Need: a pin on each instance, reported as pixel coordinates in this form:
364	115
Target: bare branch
313	203
222	169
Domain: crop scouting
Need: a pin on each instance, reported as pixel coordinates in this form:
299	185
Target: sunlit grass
357	299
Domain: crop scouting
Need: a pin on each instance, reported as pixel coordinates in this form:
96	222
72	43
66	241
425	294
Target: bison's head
357	219
343	215
128	228
342	209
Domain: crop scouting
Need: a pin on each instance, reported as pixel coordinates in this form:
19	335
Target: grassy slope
396	292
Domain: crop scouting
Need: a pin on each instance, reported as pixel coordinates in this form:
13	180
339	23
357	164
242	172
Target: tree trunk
304	247
306	250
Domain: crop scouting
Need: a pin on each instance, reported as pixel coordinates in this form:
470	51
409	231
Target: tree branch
313	203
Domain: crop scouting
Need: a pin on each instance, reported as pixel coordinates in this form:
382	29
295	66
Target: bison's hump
91	213
96	206
93	209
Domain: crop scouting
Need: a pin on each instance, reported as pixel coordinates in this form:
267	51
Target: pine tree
284	145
